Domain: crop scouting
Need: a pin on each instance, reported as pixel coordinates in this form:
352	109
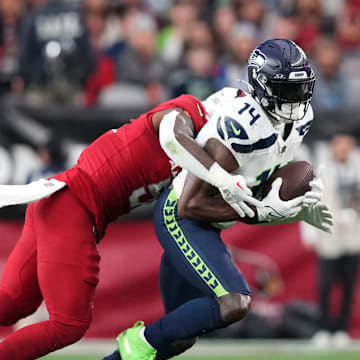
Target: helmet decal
257	59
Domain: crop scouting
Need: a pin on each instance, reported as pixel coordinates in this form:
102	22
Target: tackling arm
176	135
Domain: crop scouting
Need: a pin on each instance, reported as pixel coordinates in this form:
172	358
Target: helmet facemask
286	100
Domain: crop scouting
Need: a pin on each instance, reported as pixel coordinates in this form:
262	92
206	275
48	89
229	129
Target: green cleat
132	346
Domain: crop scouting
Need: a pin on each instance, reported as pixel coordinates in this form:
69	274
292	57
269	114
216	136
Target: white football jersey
240	123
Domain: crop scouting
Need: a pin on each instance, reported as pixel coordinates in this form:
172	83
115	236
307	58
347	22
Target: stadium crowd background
102	54
114	52
78	66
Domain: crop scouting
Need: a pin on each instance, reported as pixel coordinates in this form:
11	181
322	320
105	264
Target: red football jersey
126	167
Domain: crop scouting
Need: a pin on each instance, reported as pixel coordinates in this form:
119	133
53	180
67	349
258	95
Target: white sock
142	335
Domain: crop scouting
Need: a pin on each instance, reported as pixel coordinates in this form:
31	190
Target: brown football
296	178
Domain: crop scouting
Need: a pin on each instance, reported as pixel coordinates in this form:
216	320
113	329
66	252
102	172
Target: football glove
315	195
235	192
318	215
276	209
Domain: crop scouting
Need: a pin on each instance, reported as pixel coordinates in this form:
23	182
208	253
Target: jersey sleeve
230	133
191	105
236	137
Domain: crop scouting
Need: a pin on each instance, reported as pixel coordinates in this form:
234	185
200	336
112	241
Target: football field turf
308	356
224	350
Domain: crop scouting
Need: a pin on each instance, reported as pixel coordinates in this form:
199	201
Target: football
296	178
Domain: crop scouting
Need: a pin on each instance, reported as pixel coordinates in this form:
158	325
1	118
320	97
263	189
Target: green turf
273	356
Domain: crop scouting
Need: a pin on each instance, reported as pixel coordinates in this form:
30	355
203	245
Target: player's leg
348	274
19	289
198	253
175	291
68	274
326	278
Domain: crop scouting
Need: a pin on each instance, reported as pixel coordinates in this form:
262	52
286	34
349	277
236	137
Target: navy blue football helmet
281	79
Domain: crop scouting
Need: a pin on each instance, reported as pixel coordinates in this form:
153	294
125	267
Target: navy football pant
195	269
195	262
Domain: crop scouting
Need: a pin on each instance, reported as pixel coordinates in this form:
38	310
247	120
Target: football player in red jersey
56	259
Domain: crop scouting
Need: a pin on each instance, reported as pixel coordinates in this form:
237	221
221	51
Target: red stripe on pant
56	260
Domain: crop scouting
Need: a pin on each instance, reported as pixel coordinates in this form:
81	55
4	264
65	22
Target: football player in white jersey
250	135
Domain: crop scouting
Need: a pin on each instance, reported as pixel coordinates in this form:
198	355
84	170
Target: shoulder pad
219	99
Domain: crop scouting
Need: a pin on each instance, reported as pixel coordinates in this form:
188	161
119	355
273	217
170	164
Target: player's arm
176	134
201	201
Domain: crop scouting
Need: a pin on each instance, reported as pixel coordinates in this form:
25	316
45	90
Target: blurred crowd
137	53
141	52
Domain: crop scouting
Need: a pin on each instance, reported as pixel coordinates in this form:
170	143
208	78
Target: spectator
53	38
199	78
11	18
348	25
172	38
252	11
333	88
223	22
201	35
338	254
140	71
242	41
309	17
104	73
286	28
255	13
52	158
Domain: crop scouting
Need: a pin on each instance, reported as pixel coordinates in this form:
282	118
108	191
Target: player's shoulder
218	99
243	118
303	126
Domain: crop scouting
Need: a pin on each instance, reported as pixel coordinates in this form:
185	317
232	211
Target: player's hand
315	195
276	209
319	216
239	196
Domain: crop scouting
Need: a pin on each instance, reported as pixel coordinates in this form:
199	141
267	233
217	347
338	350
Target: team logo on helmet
257	59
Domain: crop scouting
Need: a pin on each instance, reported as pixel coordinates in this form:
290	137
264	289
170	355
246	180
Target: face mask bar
291	99
292	91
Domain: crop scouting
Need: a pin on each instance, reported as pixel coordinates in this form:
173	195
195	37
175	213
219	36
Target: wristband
217	176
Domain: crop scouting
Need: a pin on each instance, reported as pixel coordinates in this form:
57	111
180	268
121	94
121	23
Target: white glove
276	209
319	216
238	196
315	195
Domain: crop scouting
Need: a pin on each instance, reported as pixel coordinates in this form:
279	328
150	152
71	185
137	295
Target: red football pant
56	260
